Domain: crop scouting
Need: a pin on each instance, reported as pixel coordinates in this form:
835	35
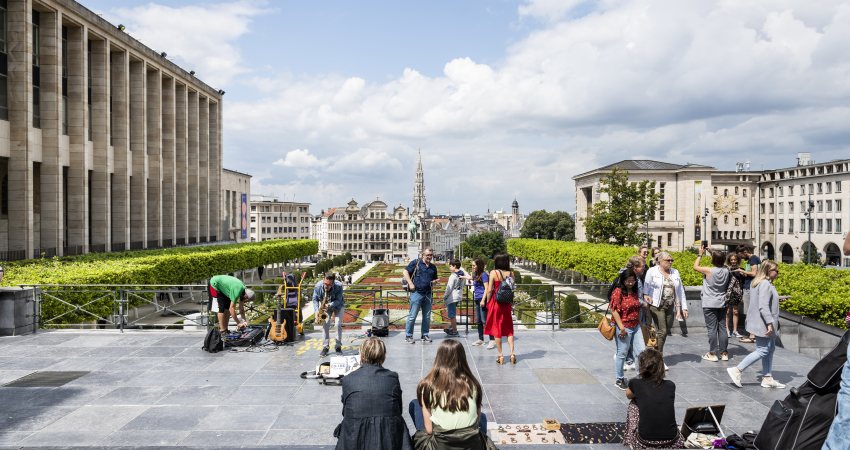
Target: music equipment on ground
380	321
246	337
277	330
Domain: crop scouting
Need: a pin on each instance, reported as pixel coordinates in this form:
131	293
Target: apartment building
274	219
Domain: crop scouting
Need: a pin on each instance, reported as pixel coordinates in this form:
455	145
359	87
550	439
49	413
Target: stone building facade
235	199
104	143
372	232
273	219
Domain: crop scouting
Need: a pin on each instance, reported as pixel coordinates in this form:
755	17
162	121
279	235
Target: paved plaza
157	388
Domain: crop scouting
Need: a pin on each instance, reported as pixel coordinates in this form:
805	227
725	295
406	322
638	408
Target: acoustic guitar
277	333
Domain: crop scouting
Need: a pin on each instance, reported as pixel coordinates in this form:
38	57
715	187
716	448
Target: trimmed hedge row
818	293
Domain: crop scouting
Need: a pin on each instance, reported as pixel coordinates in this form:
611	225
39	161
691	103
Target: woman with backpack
715	280
499	321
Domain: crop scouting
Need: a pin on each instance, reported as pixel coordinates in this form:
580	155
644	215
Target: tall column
51	231
216	220
78	123
194	195
138	148
19	35
99	72
168	161
154	146
204	168
181	204
119	68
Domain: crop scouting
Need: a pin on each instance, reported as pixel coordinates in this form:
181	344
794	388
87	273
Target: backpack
505	293
734	291
213	342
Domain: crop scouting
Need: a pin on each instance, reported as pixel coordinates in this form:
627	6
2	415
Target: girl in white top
663	293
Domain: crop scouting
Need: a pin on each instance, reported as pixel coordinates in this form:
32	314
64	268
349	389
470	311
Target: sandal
500	359
513	359
747	340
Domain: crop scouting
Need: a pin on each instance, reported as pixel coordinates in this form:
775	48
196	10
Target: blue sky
506	99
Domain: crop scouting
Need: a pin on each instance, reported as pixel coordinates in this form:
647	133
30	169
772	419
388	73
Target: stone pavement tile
43	351
196	363
506	374
28	363
62	438
196	395
70	396
7	376
105	379
264	395
148	352
579	393
514	394
324	420
564	376
195	340
100	420
317	394
210	377
160	377
550	360
81	364
103	352
133	395
690	375
31	418
49	339
222	438
132	363
719	394
185	418
596	412
140	438
765	396
13	398
13	438
232	418
524	412
90	340
305	437
275	378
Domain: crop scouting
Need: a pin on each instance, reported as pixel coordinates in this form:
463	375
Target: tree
545	225
487	245
629	207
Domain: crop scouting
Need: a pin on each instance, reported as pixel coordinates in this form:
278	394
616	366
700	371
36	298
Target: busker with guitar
230	291
330	290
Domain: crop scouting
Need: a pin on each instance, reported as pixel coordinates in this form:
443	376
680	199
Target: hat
249	294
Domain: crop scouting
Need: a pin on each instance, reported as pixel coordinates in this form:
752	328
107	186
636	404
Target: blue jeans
480	318
419	301
451	310
415	410
632	342
765	346
839	432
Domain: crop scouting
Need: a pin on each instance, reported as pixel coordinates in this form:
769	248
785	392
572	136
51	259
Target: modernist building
273	219
767	209
236	195
104	143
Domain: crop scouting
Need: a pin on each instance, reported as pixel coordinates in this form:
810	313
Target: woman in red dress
499	321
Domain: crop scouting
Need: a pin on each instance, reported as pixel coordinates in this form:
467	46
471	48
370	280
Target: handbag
650	335
605	326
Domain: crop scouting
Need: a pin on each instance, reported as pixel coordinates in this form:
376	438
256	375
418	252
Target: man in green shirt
230	291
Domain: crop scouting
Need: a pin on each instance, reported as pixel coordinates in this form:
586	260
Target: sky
505	99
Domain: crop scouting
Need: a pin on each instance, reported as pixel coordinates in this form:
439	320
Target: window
829	225
770	192
829	188
736	221
781	226
714	221
736	190
820	188
837	186
36	72
781	208
725	219
781	191
790	226
838	226
762	208
803	225
762	224
726	192
772	226
811	188
838	205
715	190
4	71
669	239
829	206
661	189
790	207
790	190
820	225
771	208
802	189
744	192
745	218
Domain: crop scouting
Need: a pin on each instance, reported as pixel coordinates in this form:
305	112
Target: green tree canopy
619	219
545	225
487	245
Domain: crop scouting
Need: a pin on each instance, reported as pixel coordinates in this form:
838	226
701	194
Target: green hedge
816	292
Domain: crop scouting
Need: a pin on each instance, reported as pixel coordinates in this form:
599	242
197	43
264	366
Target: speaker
287	314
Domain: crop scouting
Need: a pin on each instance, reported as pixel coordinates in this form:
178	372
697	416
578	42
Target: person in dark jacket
371	405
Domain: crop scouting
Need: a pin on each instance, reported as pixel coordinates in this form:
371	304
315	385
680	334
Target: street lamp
705	225
808	215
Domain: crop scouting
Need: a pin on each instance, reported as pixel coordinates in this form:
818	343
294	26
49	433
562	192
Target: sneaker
666	368
629	366
710	357
325	352
736	334
769	382
409	340
478	342
621	383
426	338
452	333
746	339
735	375
724	356
338	349
491	345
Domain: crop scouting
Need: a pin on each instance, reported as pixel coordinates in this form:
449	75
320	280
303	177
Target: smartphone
704	244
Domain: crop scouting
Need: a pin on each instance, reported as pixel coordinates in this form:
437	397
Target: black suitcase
801	421
288	314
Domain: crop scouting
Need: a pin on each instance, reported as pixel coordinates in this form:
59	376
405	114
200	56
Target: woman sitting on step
651	417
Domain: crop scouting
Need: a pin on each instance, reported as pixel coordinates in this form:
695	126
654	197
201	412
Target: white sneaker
491	345
629	366
666	368
769	382
735	375
478	342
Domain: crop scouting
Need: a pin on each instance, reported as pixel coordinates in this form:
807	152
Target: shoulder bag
605	325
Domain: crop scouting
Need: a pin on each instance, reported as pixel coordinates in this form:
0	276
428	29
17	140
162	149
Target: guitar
277	333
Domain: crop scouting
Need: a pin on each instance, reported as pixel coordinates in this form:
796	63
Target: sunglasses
670	260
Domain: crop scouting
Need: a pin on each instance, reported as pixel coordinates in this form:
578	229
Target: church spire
419	208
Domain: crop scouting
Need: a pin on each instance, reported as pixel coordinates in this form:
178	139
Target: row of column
149	175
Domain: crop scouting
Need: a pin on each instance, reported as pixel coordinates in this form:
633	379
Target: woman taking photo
625	309
479	283
447	410
715	280
499	322
651	417
762	321
663	292
371	404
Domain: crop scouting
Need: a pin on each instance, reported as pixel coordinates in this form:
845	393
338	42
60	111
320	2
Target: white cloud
200	38
709	82
298	159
